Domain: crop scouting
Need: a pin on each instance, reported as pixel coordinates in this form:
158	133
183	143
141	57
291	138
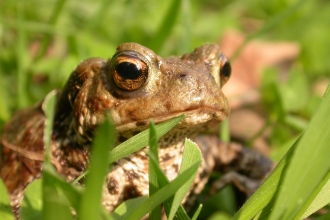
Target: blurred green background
41	42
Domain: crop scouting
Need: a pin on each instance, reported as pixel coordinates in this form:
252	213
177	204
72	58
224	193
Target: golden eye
130	73
225	69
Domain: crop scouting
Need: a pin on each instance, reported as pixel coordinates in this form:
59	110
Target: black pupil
226	69
128	70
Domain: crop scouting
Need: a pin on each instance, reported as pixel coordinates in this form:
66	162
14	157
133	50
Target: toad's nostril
182	76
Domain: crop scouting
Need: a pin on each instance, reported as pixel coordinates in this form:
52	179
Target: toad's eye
225	69
129	73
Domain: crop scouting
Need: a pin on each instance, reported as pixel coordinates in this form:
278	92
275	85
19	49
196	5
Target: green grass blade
316	133
55	204
141	140
153	182
32	202
48	106
166	26
191	155
5	208
265	193
72	193
163	181
165	192
322	198
224	132
160	196
130	204
90	205
312	154
199	209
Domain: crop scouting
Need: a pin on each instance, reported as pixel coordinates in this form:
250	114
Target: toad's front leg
244	167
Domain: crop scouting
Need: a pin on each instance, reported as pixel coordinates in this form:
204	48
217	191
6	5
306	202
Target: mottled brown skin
160	89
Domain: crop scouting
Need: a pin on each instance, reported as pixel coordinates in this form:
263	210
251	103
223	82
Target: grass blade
130	204
5	208
141	140
163	181
292	199
72	193
264	194
197	212
48	106
153	182
90	205
55	204
32	202
296	198
322	198
191	155
160	196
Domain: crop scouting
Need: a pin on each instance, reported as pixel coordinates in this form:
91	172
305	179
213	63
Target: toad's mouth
207	116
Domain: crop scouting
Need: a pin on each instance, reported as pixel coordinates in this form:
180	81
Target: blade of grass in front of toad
32	201
90	205
318	135
173	207
312	151
266	191
153	182
160	196
120	212
48	106
5	208
141	140
196	214
57	183
322	198
54	187
130	204
163	181
191	155
55	205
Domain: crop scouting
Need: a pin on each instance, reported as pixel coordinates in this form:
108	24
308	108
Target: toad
134	86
